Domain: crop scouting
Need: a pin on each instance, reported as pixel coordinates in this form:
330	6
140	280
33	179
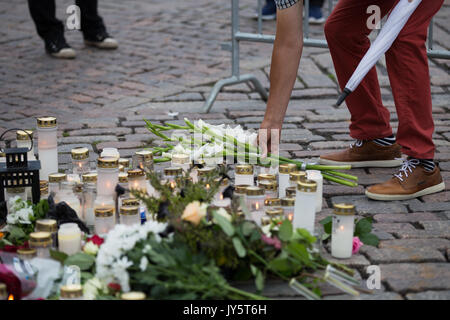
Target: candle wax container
316	176
104	220
80	160
275	213
272	202
47	146
223	185
171	175
42	242
136	179
305	205
182	161
203	173
270	188
123	182
133	295
125	163
107	176
54	184
66	194
255	199
291	192
26	254
48	225
143	159
257	216
295	177
110	153
239	195
130	215
243	175
342	230
69	238
266	177
71	292
288	205
23	140
44	191
285	170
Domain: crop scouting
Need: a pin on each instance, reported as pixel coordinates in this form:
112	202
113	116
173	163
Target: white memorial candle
243	175
136	179
110	153
288	205
47	146
316	176
222	202
69	238
80	160
305	205
107	176
255	199
342	230
182	161
130	215
104	220
283	177
295	177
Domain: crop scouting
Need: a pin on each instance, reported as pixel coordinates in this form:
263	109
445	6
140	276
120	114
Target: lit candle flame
341	228
207	186
290	216
172	184
221	196
257	206
11	297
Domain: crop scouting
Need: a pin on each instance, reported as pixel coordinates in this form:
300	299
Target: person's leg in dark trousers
43	13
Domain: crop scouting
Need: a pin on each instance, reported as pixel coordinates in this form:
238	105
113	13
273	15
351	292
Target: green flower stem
341	174
245	293
160	160
341	181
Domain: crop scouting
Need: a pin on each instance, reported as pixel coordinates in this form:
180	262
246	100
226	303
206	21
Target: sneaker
59	49
269	11
365	153
101	40
315	15
412	181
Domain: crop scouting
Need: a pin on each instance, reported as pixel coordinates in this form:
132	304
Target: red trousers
347	33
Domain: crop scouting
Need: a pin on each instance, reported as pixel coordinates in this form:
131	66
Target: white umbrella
394	24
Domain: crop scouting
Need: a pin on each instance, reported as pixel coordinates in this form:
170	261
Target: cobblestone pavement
169	57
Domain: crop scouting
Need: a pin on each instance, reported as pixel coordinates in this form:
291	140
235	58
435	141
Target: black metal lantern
18	172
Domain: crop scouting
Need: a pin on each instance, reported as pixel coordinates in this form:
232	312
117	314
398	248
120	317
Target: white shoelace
357	143
408	165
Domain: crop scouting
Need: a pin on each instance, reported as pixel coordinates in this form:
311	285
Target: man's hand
269	137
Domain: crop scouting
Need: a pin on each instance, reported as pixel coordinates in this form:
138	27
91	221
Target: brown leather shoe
364	154
412	181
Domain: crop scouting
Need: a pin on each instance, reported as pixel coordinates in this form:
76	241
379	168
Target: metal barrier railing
237	36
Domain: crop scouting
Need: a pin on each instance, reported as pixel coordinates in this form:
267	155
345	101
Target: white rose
12	218
90	248
224	213
24	215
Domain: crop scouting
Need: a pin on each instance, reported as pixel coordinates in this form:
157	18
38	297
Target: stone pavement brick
403	277
407	217
366	206
436	244
401	254
429	295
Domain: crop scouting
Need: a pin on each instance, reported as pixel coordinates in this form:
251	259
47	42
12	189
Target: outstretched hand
269	138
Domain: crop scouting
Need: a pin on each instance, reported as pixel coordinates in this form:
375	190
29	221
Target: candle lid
48	225
135	173
46	122
268	185
266	177
43	183
57	177
241	189
71	291
180	158
287	202
107	162
124	162
265	221
272	202
28	252
297	176
254	191
90	177
204	171
24	135
246	169
80	153
224	181
273	212
133	295
123	177
307	186
291	191
172	171
145	155
104	212
15	190
129	211
130	202
40	237
287	168
344	209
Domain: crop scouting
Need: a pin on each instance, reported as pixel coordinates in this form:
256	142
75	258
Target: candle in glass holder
222	202
44	191
107	176
224	183
80	160
285	170
66	194
270	188
295	177
54	184
265	221
123	182
288	205
42	242
69	238
104	220
26	254
239	195
171	175
71	292
105	201
47	146
203	173
125	163
305	205
182	161
130	215
136	179
143	159
266	177
89	197
291	192
316	175
110	153
243	174
275	213
272	202
255	199
48	225
342	230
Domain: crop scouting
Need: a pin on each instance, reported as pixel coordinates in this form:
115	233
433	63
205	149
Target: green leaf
16	232
306	235
285	231
226	225
259	281
369	239
363	226
83	260
326	220
280	264
239	247
298	251
58	255
247	228
327	224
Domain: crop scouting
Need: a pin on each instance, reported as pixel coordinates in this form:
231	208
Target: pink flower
271	241
356	245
